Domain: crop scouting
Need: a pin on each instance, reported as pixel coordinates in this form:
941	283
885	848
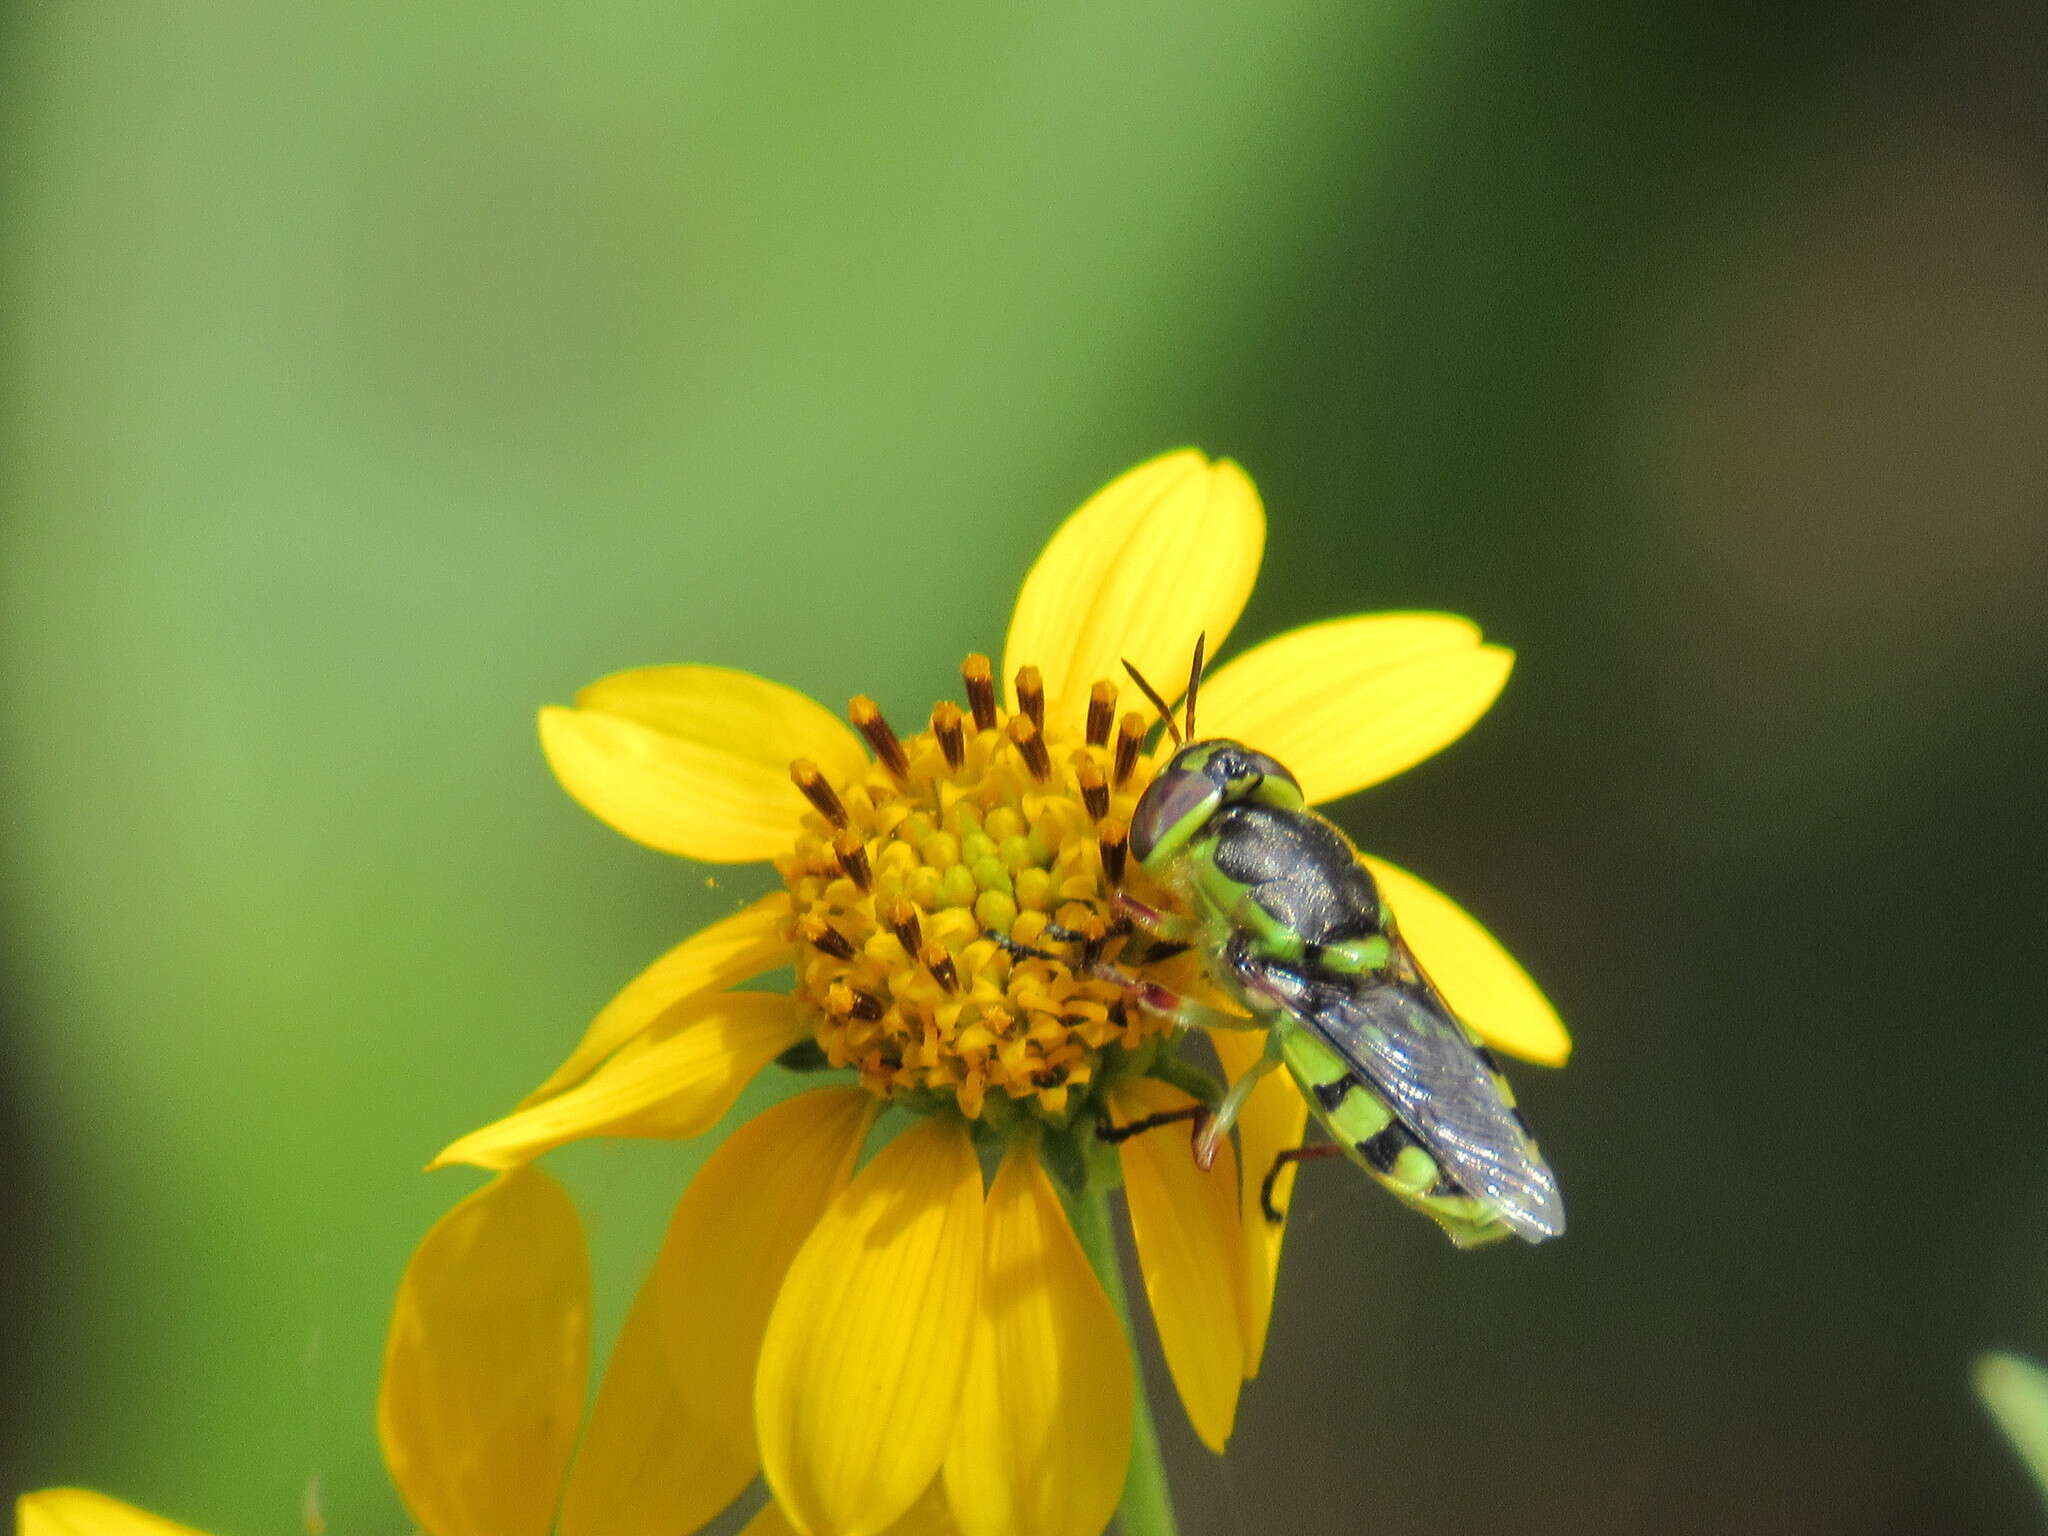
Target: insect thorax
1289	880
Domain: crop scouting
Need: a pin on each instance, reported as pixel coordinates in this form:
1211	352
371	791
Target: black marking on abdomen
1487	1059
1335	1092
1522	1121
1384	1147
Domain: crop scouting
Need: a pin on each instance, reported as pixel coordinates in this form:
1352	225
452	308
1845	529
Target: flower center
991	822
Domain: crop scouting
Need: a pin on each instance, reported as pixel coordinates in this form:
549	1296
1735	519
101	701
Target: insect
1292	925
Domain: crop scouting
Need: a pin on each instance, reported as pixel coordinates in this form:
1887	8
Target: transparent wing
1402	1038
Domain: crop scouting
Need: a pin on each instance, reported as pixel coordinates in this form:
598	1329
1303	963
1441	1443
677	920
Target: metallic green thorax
1293	925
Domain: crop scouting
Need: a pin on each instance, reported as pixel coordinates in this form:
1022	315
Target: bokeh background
376	373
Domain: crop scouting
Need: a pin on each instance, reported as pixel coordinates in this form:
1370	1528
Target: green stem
1147	1506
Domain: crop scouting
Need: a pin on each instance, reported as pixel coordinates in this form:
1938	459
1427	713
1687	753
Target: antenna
1158	703
1195	679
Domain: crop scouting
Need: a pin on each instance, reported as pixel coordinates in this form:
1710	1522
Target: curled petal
731	1240
733	949
1478	978
485	1366
1043	1435
81	1512
1351	702
1271	1122
1191	1251
672	1082
1160	555
695	760
861	1366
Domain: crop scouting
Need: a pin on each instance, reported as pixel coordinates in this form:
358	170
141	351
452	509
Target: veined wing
1402	1039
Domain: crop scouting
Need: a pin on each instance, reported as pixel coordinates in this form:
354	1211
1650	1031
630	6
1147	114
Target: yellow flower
891	1341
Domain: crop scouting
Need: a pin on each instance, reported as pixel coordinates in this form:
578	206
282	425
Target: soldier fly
1292	926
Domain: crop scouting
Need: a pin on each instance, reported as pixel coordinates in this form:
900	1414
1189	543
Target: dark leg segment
1113	1134
1320	1150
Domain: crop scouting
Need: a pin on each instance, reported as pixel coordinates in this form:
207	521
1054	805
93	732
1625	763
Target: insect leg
1183	1011
1116	1133
1320	1150
1028	951
1211	1134
1170	926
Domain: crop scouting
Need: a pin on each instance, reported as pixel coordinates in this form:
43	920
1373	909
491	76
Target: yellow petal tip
472	1151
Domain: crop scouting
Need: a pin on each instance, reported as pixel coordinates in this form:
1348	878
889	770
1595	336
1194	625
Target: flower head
899	1339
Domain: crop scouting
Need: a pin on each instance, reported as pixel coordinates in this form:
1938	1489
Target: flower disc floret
908	884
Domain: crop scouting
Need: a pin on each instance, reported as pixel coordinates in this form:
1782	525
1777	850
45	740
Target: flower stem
1147	1505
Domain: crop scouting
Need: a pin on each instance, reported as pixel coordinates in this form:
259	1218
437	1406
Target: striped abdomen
1361	1122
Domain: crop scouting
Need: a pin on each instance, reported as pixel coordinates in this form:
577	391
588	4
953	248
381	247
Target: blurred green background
374	374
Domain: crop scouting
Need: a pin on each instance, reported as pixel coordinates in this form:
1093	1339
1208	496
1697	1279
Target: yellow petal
1043	1436
636	1472
1271	1122
928	1517
484	1370
1354	701
81	1512
769	1520
1478	978
1192	1256
731	950
695	760
673	1081
729	1244
1160	555
861	1367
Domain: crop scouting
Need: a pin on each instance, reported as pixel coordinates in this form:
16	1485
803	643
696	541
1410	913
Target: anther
822	936
933	958
1128	734
1031	695
805	775
866	716
1094	785
1031	746
851	1000
1093	934
853	858
980	678
946	727
902	919
1101	710
1113	839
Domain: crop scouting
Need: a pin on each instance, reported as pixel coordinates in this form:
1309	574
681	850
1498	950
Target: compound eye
1172	807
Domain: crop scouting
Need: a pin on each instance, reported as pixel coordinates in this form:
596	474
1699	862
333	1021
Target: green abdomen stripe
1361	1122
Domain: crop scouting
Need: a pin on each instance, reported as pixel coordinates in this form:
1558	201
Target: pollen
910	883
